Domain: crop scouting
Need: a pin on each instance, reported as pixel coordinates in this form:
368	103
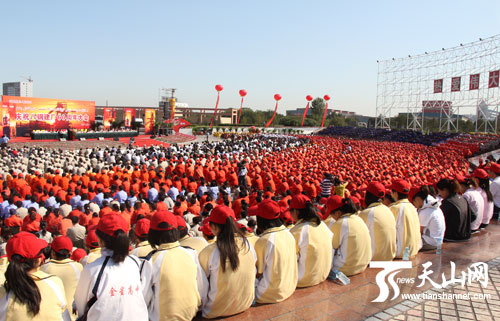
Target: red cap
356	201
269	209
91	239
78	254
220	214
414	190
205	229
163	216
299	201
334	203
494	167
376	188
26	245
142	227
242	226
181	223
401	186
461	178
111	223
480	173
62	243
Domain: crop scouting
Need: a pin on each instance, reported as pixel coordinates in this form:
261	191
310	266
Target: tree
317	110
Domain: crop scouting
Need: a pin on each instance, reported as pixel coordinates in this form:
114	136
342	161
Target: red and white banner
438	86
493	79
474	82
455	83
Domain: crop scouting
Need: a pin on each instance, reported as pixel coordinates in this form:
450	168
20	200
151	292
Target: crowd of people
166	233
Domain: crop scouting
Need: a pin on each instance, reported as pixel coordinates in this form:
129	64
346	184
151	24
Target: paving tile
431	315
383	316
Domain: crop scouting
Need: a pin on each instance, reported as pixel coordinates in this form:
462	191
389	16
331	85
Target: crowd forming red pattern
271	173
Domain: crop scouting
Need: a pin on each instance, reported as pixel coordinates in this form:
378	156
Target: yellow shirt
93	255
329	222
196	243
382	226
142	249
230	292
314	251
252	238
69	272
352	245
277	263
174	274
52	305
407	227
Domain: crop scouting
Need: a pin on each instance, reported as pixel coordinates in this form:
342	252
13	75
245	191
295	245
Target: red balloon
309	97
243	92
219	87
277	97
326	97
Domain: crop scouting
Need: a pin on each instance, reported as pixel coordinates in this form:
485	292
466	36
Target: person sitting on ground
456	211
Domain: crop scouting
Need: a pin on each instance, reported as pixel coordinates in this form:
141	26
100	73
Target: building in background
300	112
18	89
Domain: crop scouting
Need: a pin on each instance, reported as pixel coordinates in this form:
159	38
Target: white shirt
495	191
120	293
476	203
432	220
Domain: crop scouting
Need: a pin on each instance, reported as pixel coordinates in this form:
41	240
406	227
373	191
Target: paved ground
332	301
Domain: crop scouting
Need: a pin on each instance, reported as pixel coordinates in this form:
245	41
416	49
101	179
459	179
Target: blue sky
124	51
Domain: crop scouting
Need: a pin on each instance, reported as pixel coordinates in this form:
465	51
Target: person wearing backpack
110	287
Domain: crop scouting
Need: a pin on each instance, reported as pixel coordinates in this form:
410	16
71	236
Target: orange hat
12	221
494	167
26	245
91	239
480	173
78	254
376	188
111	223
401	186
299	201
220	214
142	227
62	243
268	209
334	203
161	217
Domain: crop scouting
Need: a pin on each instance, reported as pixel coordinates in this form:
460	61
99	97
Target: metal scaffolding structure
449	82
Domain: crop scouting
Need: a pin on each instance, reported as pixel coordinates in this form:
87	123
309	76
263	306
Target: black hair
264	224
18	280
118	243
156	237
348	206
226	243
62	254
450	185
309	213
183	231
197	220
74	219
371	198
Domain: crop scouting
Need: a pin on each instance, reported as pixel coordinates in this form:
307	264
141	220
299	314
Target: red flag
324	115
305	113
274	114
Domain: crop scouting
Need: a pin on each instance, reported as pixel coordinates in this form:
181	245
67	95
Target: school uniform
352	245
382	226
230	292
120	295
53	305
69	272
93	255
277	263
142	249
175	278
196	243
314	252
407	227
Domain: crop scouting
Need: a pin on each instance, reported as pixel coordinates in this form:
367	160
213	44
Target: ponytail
21	284
309	213
119	244
226	243
348	206
485	186
451	185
